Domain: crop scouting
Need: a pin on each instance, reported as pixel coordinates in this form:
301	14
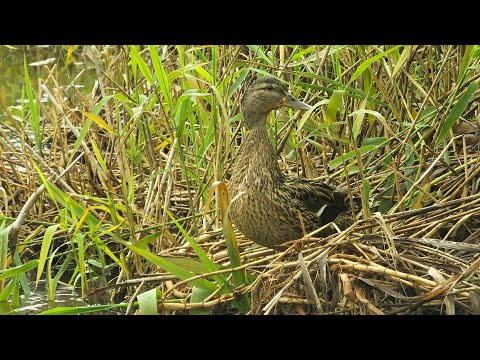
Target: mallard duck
268	206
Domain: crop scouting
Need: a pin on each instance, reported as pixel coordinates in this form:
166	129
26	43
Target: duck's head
264	95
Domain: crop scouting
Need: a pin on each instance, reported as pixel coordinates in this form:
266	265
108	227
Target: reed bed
118	188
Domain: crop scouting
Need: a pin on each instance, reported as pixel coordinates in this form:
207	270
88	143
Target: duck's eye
270	87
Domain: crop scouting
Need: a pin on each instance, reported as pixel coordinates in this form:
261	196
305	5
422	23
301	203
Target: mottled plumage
269	207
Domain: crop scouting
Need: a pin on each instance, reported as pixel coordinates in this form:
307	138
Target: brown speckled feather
267	205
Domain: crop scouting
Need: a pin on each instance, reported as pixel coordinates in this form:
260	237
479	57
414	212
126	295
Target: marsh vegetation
114	160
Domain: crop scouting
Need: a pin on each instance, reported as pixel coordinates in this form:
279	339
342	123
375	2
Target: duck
268	206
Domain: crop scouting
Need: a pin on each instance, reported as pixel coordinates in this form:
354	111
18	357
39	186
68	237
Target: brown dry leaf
347	288
422	197
437	276
372	309
387	290
438	290
464	127
475	301
309	283
449	305
440	279
299	310
335	291
360	294
471	270
472	139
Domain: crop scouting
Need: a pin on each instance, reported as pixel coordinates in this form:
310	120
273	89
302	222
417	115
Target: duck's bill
290	101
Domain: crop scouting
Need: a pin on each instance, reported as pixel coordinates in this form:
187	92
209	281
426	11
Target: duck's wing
313	193
318	197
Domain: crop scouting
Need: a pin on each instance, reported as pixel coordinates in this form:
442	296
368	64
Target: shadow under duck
268	206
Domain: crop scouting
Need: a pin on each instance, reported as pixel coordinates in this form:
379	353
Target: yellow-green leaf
5	274
357	123
401	60
173	269
364	65
47	240
333	106
467	57
99	121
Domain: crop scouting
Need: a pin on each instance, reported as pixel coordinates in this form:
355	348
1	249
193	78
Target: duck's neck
256	166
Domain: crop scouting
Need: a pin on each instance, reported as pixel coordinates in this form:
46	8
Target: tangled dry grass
422	261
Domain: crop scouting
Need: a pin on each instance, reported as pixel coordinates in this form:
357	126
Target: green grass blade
173	269
34	118
467	57
358	121
99	106
80	138
204	73
402	59
67	202
147	302
142	65
364	65
361	111
214	64
187	263
456	112
81	310
100	122
22	277
239	277
101	245
52	283
198	297
8	290
365	190
46	242
15	300
337	67
79	240
98	156
258	50
17	270
334	105
307	118
238	81
209	264
161	75
350	155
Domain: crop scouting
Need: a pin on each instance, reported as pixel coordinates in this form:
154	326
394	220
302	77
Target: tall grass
160	130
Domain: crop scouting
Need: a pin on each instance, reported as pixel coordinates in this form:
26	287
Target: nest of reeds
420	261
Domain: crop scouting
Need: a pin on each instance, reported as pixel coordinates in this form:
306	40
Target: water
40	61
37	300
